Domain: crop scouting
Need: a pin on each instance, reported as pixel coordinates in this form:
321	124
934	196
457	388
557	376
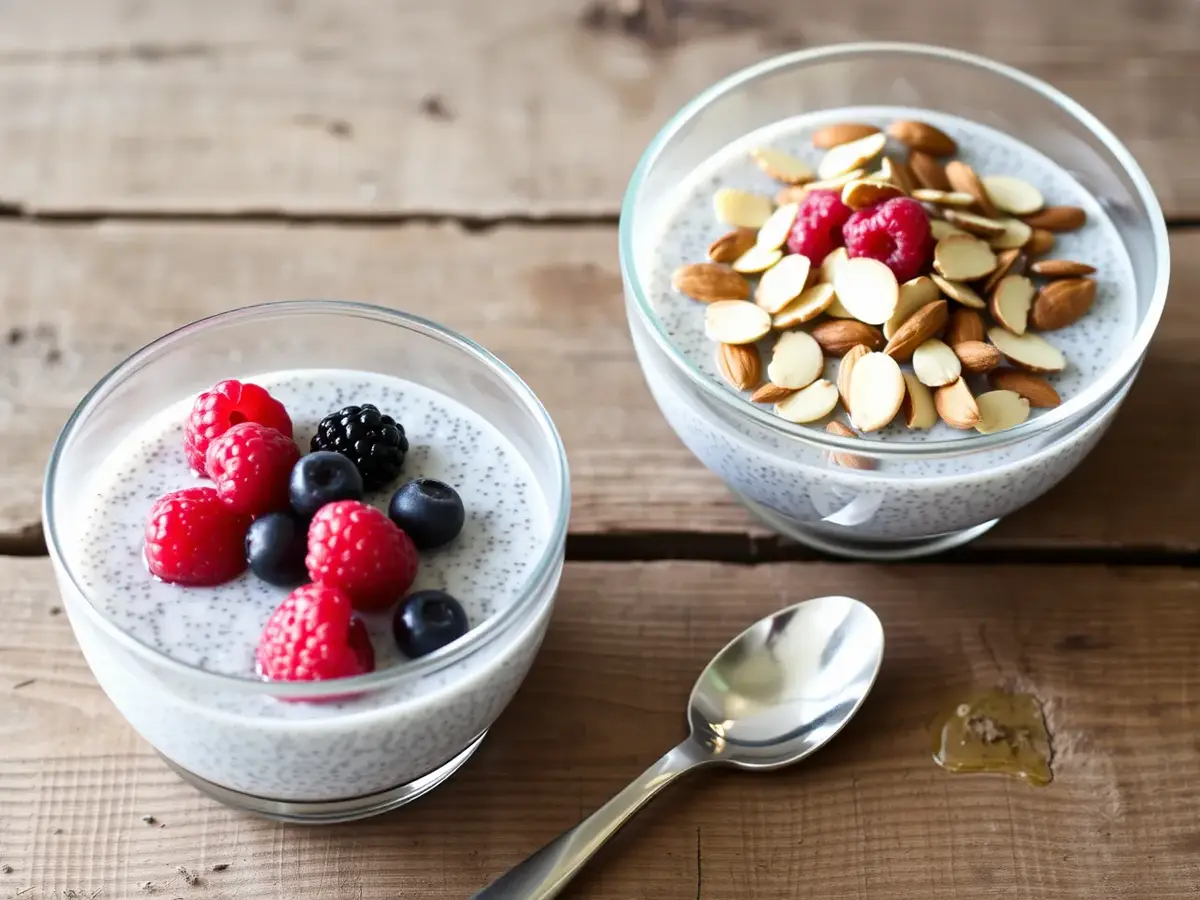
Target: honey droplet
993	731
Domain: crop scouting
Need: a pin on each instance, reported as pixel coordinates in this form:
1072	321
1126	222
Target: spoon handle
544	874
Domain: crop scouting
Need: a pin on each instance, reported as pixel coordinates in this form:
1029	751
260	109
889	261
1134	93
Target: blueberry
275	547
431	513
323	477
427	621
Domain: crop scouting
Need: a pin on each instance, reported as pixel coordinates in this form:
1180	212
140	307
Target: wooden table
164	160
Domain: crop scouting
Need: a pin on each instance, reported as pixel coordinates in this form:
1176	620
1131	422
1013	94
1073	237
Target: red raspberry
251	465
357	548
314	636
194	538
817	230
227	404
896	233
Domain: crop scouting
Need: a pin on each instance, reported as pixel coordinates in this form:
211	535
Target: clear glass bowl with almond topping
889	293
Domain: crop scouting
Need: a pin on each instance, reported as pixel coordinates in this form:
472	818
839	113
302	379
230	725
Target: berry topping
896	232
817	230
356	548
430	512
193	538
313	636
320	478
251	464
428	621
226	404
372	441
275	548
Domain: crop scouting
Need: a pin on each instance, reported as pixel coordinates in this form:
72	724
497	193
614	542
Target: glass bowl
898	499
310	751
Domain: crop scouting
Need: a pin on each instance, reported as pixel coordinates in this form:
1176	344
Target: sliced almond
1013	195
793	193
735	322
962	293
757	259
977	357
771	393
897	172
731	245
741	209
943	198
811	303
867	288
955	405
935	363
832	261
796	361
837	182
922	136
876	391
943	229
838	337
1057	218
1000	410
842	133
1007	261
836	310
925	323
919	411
740	365
847	157
980	226
928	171
709	282
849	460
776	229
1061	268
846	370
864	192
809	404
782	283
1062	303
913	295
961	258
1040	242
1034	388
963	178
1016	234
1011	301
1028	351
782	166
964	325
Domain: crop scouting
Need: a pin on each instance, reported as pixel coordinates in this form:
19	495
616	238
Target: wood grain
1110	654
535	108
74	300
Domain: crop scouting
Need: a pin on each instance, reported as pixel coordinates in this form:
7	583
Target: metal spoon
775	694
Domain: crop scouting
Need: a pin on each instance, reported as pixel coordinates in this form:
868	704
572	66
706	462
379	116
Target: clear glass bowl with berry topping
889	293
323	623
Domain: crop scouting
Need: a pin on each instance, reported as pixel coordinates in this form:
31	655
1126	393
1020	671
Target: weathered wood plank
75	299
531	108
1110	655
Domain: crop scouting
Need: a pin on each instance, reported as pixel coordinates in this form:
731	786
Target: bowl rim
542	575
1126	362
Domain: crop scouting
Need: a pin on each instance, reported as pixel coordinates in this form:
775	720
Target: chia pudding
341	746
798	487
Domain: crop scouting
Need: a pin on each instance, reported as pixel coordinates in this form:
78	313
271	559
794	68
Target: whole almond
928	171
1007	262
849	460
1057	218
926	322
731	245
1034	388
842	133
1040	243
771	393
1062	303
963	178
922	136
838	336
740	365
977	357
964	325
1061	268
956	406
710	282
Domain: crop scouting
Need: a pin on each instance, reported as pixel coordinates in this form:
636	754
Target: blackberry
375	443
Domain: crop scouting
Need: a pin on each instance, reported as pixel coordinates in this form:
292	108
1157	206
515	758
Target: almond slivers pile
975	314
